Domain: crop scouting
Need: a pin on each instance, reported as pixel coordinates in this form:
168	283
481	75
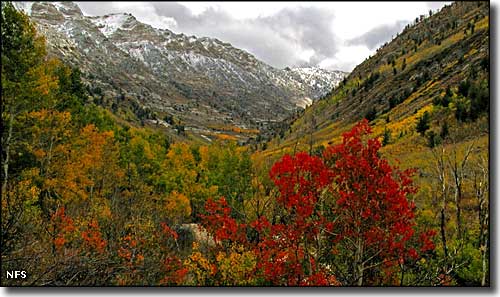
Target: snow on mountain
159	48
24	6
161	69
108	24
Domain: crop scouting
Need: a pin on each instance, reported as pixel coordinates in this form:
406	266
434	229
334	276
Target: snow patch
108	24
23	6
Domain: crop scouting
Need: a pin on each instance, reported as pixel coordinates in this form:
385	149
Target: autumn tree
27	85
290	249
461	179
228	168
345	219
23	87
374	218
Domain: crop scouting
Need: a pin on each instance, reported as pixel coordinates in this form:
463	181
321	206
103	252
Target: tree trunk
484	250
6	147
443	233
360	274
358	263
458	199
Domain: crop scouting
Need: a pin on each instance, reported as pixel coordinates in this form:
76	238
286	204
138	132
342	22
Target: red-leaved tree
376	227
289	249
345	218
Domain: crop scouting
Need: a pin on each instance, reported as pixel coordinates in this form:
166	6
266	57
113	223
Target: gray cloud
378	35
278	39
98	8
437	4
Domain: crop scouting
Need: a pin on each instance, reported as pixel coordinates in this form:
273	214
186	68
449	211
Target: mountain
438	66
202	85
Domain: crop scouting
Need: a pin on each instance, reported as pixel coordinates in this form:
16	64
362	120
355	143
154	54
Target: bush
371	114
423	123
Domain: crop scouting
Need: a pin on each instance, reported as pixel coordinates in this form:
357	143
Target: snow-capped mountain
200	80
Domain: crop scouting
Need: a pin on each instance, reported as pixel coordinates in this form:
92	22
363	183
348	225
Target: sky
330	35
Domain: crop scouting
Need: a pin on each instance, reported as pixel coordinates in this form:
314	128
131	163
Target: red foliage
285	258
128	243
320	279
300	179
175	272
63	227
168	232
372	195
371	208
92	237
220	224
426	240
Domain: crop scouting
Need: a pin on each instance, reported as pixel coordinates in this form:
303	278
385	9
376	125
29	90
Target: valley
150	74
136	156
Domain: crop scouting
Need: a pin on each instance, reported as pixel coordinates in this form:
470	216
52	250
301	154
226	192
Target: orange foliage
63	227
92	237
226	137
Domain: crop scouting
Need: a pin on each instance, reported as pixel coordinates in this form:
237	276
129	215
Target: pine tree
387	137
423	123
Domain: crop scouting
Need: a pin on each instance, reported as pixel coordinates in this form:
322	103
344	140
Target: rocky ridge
199	81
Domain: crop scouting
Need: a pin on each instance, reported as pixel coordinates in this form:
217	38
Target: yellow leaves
226	137
236	268
72	164
177	205
180	158
427	215
204	155
23	195
106	212
199	267
245	131
44	83
101	208
49	120
180	153
482	24
180	169
138	142
39	153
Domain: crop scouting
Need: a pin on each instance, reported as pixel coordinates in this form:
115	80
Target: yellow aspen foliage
45	83
180	167
237	268
177	206
200	269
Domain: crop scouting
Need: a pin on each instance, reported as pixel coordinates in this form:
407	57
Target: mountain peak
64	7
109	23
67	7
201	81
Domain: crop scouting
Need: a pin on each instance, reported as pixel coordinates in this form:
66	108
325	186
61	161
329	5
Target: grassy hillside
404	79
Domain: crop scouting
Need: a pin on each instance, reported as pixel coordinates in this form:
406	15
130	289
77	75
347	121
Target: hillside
405	78
199	87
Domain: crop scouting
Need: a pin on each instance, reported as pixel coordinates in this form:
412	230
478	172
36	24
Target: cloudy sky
332	35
